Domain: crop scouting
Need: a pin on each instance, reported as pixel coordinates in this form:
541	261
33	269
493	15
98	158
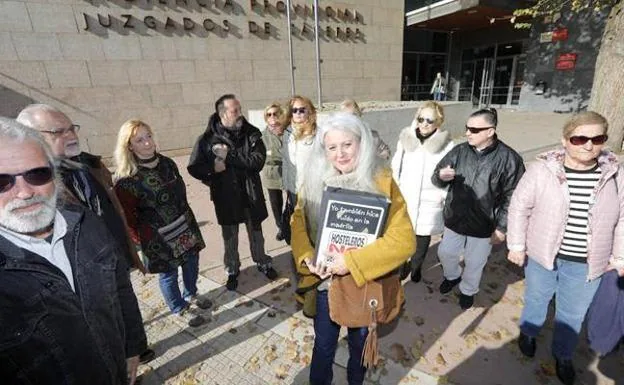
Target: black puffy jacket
479	196
239	187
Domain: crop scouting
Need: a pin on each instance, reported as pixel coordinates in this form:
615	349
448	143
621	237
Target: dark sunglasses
270	114
36	177
420	119
581	139
301	110
476	130
74	128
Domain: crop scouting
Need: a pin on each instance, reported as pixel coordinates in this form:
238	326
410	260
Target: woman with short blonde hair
565	228
419	149
276	121
161	223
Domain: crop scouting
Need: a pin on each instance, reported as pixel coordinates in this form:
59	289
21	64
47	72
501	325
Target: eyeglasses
272	114
420	119
476	130
74	128
580	140
300	110
36	177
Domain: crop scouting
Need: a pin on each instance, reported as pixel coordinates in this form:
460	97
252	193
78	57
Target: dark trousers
291	202
276	198
422	246
231	257
326	334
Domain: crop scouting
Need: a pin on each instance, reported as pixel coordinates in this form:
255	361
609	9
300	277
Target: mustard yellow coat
387	253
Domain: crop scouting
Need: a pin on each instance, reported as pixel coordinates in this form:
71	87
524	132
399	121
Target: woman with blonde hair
297	146
162	225
276	120
351	106
419	149
566	228
345	156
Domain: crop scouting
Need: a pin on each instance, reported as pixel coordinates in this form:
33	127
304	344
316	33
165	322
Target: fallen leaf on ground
398	354
418	320
440	359
281	372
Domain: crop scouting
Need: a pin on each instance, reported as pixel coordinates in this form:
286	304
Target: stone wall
166	61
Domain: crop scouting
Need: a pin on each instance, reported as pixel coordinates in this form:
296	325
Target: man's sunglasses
74	128
476	130
420	119
582	139
301	110
35	177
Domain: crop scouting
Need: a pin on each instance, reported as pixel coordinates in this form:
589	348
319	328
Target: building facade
166	61
487	61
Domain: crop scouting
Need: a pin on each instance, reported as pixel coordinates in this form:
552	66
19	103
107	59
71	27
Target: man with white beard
68	313
86	179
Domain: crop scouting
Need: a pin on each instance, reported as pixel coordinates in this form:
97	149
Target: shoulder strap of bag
401	164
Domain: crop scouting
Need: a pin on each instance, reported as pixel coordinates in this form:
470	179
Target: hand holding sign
336	263
320	269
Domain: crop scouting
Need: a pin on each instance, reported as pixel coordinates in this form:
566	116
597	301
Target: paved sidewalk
257	336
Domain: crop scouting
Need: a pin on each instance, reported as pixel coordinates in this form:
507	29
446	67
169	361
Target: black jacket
50	334
103	201
238	188
479	196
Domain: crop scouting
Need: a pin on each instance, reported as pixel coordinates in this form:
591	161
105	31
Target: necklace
146	161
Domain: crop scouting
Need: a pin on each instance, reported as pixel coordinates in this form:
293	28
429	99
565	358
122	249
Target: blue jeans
573	294
169	284
325	343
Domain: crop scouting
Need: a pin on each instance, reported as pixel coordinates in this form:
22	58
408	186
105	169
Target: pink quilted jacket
539	210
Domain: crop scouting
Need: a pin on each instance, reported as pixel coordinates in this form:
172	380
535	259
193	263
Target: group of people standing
64	267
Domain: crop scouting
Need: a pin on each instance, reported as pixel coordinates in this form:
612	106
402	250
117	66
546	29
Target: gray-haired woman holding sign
345	157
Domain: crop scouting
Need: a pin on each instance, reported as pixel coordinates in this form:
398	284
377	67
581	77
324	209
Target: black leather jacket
50	334
479	196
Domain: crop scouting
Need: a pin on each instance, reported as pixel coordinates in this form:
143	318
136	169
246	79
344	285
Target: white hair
319	169
17	132
27	116
11	133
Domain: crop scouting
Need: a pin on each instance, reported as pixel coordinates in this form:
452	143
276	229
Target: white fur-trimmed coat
424	200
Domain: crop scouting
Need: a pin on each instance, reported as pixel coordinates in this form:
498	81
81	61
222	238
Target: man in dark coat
86	180
68	314
228	157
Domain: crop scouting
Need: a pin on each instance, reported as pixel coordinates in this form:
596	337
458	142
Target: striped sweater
581	185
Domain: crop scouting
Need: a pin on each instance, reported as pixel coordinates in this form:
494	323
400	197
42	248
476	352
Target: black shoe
466	301
279	236
147	356
268	271
565	371
527	345
446	285
405	270
232	282
202	303
416	275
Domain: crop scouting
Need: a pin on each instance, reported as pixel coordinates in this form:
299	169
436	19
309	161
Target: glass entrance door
503	74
